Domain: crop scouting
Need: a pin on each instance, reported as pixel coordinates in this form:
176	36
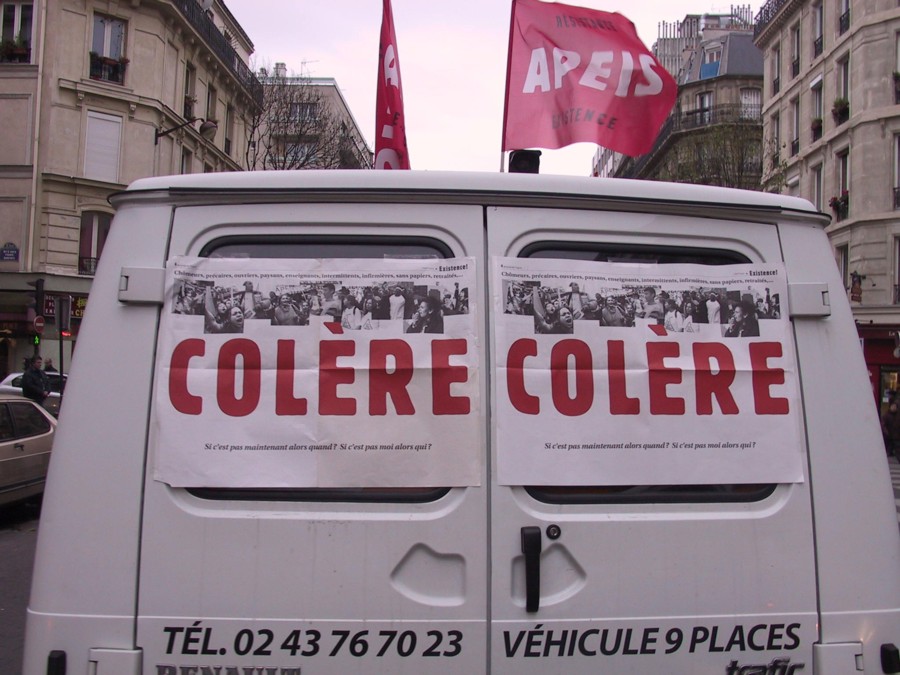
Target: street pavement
18	536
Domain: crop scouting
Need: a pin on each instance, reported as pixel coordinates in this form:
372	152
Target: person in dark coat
35	383
890	428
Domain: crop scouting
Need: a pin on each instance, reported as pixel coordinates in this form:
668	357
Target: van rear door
361	580
641	578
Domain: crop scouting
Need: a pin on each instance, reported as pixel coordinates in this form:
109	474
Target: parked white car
12	384
26	437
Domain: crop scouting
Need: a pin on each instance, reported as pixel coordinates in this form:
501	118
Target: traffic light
525	161
37	340
38	296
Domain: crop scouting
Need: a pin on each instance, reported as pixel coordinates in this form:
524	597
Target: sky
452	58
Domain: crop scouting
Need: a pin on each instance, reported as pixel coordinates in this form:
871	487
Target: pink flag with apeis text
390	124
576	74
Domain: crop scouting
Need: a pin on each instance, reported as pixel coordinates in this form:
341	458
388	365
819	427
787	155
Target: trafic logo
779	666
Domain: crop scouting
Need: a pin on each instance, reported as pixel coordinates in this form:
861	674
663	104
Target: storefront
881	348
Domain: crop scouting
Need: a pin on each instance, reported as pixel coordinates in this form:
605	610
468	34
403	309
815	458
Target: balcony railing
776	85
10	52
87	266
818	44
687	121
897	197
795	67
896	294
795	146
816	130
107	69
844	22
766	14
217	43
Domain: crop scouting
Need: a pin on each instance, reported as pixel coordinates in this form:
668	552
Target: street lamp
207	130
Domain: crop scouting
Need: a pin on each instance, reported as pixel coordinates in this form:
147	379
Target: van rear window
640	494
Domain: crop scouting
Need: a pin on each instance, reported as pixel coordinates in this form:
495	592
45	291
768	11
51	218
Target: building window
795	50
94	230
102	147
844	77
817	186
108	61
703	113
841	108
817	108
844	18
776	69
15	36
818	24
190	91
229	128
775	124
187	160
896	73
795	126
897	172
896	270
840	202
211	100
842	258
304	111
751	103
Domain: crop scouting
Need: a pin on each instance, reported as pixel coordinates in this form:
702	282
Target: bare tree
728	155
300	127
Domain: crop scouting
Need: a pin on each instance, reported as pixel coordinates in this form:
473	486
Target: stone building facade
832	123
713	135
93	95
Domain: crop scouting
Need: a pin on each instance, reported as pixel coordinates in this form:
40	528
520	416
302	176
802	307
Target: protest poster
318	373
630	374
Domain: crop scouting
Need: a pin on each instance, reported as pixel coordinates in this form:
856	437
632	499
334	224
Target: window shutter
101	152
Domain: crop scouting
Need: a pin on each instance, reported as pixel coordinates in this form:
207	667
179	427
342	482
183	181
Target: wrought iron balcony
818	45
107	69
816	128
795	67
776	85
844	22
795	146
897	197
217	43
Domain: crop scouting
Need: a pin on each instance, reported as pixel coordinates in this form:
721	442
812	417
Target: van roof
446	182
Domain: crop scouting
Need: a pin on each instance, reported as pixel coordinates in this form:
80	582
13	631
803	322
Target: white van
399	422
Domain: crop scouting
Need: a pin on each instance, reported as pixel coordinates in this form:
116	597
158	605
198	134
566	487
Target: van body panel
599	541
780	578
408	580
82	585
852	496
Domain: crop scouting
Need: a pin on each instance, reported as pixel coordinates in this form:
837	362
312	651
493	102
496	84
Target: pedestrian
35	384
890	428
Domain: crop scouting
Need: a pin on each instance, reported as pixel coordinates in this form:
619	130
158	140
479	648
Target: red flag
577	74
390	125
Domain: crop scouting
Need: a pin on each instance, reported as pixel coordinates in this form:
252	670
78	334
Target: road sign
39	324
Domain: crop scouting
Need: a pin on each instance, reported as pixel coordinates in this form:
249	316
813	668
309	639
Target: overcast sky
452	64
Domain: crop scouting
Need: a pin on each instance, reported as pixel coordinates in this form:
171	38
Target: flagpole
512	23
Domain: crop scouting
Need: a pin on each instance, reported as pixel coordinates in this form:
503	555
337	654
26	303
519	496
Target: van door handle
531	549
19	446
